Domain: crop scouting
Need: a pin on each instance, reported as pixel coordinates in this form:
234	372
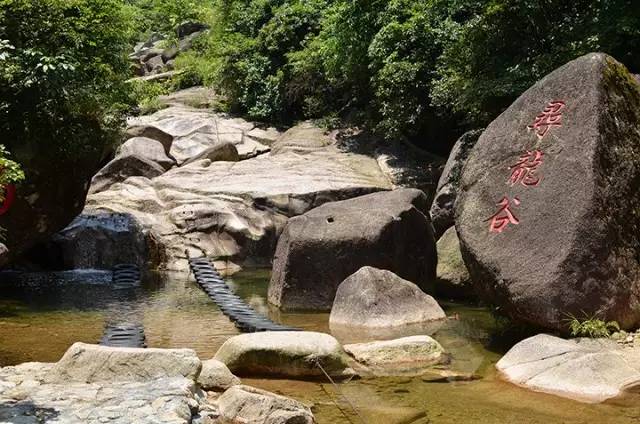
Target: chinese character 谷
504	216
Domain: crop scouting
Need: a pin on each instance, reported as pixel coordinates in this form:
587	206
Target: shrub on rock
548	207
318	250
377	298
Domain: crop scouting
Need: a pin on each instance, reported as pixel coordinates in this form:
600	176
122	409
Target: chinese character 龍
504	216
551	116
524	172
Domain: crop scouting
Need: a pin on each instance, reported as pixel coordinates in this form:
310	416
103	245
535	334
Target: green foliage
146	95
62	76
163	16
10	171
425	69
591	326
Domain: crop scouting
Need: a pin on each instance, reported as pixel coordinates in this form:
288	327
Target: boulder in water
216	376
548	209
318	250
377	298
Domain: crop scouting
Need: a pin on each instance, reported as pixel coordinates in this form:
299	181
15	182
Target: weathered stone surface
123	167
86	363
407	354
216	376
232	210
147	148
577	242
26	398
255	406
283	353
379	298
442	209
587	370
103	240
220	152
453	277
318	250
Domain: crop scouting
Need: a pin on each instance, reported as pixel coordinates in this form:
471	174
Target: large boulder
102	240
244	404
284	354
318	250
147	148
379	298
587	370
86	363
223	151
453	277
442	209
123	167
547	212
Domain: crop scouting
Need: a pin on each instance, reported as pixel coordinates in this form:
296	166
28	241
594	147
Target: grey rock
587	370
453	277
154	64
572	245
216	376
123	167
147	148
255	406
442	209
284	354
219	152
189	27
378	298
318	250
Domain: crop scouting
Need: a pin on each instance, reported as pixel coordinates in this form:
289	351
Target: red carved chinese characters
504	216
524	172
551	116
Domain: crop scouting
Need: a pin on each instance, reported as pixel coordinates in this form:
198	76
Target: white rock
216	376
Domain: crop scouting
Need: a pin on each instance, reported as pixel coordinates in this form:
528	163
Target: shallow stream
42	314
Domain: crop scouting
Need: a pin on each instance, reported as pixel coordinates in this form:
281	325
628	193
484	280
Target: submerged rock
453	277
548	208
216	376
255	406
442	209
587	370
88	363
284	354
378	298
405	355
318	250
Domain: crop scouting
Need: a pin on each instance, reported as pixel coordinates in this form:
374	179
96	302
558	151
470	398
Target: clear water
42	314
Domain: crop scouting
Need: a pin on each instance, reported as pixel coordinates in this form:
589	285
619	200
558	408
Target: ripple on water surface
42	314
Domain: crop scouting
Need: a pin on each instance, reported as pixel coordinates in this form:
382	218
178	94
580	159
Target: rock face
442	209
147	148
216	376
88	363
378	298
102	240
254	406
587	370
548	208
318	250
400	355
453	277
123	167
233	211
283	354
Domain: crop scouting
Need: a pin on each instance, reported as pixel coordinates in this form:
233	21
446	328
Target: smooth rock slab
148	148
572	241
587	370
318	250
89	363
249	405
216	376
404	354
377	298
284	354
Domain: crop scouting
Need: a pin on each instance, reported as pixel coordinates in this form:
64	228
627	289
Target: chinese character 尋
551	116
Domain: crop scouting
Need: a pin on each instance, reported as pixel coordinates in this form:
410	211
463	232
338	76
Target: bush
62	76
148	16
591	326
